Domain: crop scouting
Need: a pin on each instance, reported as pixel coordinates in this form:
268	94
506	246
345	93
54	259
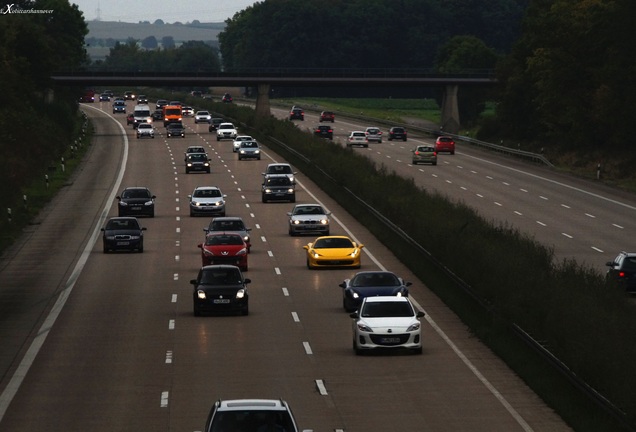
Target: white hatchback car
386	322
202	117
207	200
357	138
251	415
145	130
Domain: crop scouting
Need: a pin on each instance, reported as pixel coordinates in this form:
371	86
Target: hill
101	31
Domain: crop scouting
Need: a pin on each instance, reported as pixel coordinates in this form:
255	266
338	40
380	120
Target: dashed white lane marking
307	348
295	317
164	399
321	387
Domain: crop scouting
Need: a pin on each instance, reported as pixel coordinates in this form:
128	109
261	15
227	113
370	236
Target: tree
150	42
167	42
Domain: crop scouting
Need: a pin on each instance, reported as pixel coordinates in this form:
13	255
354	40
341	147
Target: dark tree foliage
32	46
361	33
568	78
191	56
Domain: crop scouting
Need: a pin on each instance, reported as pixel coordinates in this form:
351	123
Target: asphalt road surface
104	342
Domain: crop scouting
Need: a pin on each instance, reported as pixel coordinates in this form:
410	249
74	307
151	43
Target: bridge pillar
262	101
450	110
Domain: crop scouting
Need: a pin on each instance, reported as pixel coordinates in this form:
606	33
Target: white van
141	114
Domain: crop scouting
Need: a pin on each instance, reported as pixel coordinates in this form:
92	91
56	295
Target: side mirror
247	280
143	228
118	197
154	197
408	284
289	214
193	281
342	285
420	314
306	247
200	245
354	314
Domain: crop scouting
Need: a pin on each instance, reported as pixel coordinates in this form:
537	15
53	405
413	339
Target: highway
107	342
580	219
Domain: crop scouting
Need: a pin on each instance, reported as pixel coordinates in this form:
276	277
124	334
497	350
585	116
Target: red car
222	248
327	116
445	144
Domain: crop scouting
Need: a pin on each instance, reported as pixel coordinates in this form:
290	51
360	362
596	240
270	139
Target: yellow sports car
333	251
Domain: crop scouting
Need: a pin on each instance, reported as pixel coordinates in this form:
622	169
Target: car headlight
207	252
246	238
207	164
243	151
268	190
123	204
354	253
148	203
189	164
110	237
316	254
240	293
201	294
290	190
135	237
324	221
295	222
257	151
356	295
219	203
242	252
413	327
363	327
195	203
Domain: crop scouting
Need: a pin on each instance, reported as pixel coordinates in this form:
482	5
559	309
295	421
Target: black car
123	233
297	113
157	115
323	131
227	98
398	133
137	201
278	187
197	162
371	283
214	123
220	288
622	271
175	129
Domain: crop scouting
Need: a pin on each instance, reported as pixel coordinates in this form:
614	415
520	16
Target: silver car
249	150
238	140
202	117
373	134
357	138
308	218
207	200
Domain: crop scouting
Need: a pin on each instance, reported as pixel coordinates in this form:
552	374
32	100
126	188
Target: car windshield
249	144
145	126
445	139
122	224
221	276
333	243
279	169
142	113
198	157
226	126
215	240
629	263
425	149
282	181
358	134
195	150
308	210
203	113
386	309
375	279
135	193
207	193
252	420
173	111
232	225
373	131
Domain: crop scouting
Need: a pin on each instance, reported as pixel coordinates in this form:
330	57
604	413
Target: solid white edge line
23	368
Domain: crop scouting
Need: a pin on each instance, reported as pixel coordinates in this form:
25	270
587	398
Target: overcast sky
169	11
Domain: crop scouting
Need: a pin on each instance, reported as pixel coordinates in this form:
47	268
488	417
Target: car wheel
246	268
218	139
208	171
309	265
357	350
223	214
263	199
327	232
187	171
390	139
196	311
245	311
404	139
293	199
434	163
453	152
105	249
152	214
366	146
191	213
141	248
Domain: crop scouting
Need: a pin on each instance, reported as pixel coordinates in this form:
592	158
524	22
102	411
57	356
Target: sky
169	11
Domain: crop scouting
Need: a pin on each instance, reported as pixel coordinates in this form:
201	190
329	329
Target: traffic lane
79	370
318	290
54	241
552	214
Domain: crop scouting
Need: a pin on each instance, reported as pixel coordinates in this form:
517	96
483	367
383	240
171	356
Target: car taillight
417	153
621	274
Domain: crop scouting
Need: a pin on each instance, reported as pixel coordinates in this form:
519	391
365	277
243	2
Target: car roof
260	404
384	299
135	188
228	123
206	188
227	218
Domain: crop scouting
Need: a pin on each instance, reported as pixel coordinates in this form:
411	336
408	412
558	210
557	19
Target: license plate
390	339
136	208
123	243
221	301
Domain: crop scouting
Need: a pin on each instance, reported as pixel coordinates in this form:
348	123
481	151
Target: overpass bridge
263	80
